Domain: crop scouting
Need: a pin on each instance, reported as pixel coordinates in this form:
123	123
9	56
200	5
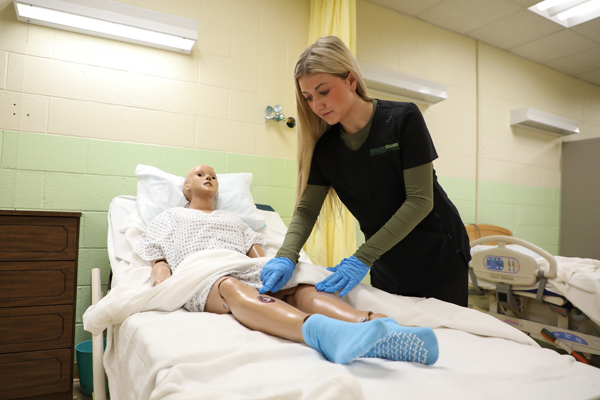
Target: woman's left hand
347	274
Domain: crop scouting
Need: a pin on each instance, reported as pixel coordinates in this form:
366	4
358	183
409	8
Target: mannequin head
201	183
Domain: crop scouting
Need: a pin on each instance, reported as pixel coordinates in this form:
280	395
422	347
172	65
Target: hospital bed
174	354
526	287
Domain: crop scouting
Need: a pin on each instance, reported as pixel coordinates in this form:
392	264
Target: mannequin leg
307	299
338	341
257	312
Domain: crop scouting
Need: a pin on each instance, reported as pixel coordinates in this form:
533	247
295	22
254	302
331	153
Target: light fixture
568	13
112	20
543	121
581	9
544	5
398	83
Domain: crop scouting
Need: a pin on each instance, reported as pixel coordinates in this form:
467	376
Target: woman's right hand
275	274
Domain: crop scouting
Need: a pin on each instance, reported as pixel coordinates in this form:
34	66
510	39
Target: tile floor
77	395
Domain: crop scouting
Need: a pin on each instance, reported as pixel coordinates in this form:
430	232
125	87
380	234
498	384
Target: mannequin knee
217	301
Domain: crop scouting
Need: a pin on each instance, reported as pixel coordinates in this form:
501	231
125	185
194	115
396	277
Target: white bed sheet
208	356
180	355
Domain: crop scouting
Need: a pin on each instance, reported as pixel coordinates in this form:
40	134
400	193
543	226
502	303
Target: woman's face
328	96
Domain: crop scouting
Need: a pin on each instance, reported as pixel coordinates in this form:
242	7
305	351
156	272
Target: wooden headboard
483	230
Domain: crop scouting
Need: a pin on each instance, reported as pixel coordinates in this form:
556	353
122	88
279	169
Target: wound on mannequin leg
340	341
406	344
265	299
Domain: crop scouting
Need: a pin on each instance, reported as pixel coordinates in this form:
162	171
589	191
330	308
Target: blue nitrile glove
347	274
275	274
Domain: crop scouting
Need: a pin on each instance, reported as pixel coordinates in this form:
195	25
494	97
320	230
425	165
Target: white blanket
578	279
195	271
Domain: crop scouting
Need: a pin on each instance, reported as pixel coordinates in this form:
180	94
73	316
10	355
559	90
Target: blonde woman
376	157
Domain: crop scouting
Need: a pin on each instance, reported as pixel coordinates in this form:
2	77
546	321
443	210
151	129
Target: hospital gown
179	232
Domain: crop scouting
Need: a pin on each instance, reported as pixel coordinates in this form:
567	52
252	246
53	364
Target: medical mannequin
323	321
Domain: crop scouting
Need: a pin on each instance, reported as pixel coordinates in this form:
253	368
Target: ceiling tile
466	15
515	29
591	76
526	3
591	29
554	46
578	63
409	7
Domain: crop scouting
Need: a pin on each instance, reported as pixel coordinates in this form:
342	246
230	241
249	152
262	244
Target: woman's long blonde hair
327	55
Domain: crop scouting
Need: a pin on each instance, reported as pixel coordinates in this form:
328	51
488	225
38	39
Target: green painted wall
48	172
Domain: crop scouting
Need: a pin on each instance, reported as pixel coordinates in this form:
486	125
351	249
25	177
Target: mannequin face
201	181
330	97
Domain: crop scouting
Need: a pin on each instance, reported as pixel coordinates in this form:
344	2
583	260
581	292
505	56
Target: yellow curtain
333	17
335	239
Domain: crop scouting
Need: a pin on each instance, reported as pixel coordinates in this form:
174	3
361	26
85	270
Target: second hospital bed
526	287
157	350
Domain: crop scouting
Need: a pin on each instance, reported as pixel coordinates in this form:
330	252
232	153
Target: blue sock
406	344
340	341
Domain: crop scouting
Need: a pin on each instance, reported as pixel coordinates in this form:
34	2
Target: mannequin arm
160	272
255	251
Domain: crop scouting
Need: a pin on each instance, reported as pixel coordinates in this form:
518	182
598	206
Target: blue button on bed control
570	337
494	263
507	265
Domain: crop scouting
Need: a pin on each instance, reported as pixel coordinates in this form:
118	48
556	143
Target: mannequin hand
275	274
347	274
160	272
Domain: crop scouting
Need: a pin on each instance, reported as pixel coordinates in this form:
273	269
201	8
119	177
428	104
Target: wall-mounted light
398	83
275	114
112	20
543	121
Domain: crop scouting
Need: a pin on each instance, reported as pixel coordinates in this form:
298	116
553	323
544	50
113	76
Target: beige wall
64	83
471	129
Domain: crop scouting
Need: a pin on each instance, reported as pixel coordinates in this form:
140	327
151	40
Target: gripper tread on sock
406	344
340	341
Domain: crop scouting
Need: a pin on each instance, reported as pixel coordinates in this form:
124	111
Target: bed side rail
99	378
502	240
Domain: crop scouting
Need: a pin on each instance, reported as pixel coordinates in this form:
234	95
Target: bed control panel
507	265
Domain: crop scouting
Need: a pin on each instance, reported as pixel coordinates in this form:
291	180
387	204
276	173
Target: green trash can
85	365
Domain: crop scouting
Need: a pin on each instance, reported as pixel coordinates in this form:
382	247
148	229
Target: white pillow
158	191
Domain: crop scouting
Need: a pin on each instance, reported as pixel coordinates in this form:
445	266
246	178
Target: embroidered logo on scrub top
385	149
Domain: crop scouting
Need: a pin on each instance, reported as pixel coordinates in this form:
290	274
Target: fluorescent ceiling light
112	20
398	83
581	9
568	13
543	121
544	5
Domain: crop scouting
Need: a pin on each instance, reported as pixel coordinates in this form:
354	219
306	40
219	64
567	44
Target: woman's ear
352	81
